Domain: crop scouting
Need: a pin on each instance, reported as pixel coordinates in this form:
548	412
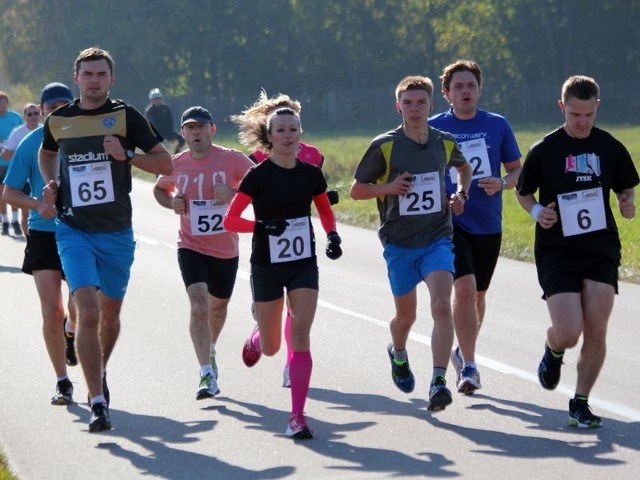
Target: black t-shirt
281	193
94	188
561	168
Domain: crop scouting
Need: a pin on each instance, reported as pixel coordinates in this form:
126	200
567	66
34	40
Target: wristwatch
504	183
463	194
130	154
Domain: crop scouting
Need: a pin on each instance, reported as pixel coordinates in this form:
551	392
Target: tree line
341	58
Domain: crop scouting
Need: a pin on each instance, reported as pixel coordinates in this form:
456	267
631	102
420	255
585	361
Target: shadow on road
158	436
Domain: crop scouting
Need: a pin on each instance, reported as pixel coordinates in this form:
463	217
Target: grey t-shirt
423	216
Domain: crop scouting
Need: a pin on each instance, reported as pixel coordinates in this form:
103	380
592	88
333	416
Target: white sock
400	355
206	370
212	350
5	219
14	216
98	399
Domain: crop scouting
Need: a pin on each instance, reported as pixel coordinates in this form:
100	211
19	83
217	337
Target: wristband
535	211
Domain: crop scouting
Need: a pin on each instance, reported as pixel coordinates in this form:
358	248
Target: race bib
424	195
582	212
206	217
91	184
475	151
293	244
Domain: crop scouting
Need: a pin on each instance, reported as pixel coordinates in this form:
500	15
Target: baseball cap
55	93
196	114
155	93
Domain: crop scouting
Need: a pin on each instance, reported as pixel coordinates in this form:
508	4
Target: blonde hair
252	123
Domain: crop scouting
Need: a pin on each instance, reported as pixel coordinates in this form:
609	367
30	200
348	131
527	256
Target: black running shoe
5	228
549	369
64	393
401	374
439	395
100	420
70	352
581	416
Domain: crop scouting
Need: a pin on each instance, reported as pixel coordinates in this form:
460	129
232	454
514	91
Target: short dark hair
91	54
460	66
580	87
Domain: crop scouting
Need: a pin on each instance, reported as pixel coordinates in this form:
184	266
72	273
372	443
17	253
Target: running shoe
457	361
549	369
5	228
208	388
70	352
439	395
17	231
64	393
401	373
469	380
298	427
250	353
286	380
581	416
100	420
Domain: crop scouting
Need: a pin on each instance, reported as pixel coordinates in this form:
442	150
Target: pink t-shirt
201	227
307	154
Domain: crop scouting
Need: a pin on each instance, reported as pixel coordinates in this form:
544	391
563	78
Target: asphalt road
364	427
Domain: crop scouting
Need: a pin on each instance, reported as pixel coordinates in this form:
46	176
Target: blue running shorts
407	267
100	259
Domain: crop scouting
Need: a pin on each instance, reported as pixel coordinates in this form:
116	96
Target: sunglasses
33	114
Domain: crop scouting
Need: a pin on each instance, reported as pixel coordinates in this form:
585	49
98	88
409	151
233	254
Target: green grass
343	152
5	474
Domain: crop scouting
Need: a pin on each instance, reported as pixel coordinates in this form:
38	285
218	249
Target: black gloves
333	196
275	226
333	249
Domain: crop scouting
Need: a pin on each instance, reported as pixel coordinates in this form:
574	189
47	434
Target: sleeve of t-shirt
248	184
48	142
528	180
19	171
456	157
321	183
371	166
626	175
510	150
12	141
140	133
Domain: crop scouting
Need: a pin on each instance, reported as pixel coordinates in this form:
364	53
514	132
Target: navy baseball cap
55	93
196	114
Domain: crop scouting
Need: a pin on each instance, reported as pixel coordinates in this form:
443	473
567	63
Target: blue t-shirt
487	141
8	122
24	167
